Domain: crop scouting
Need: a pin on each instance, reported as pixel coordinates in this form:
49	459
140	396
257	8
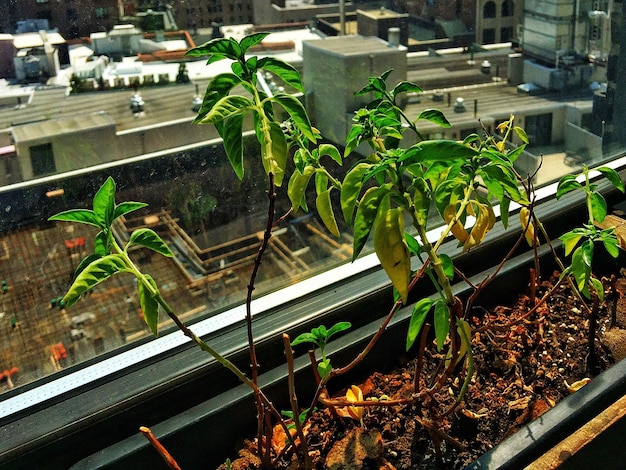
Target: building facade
72	18
497	21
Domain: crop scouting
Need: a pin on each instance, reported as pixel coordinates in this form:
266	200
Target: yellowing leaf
457	228
325	211
485	220
527	226
576	385
392	250
353	395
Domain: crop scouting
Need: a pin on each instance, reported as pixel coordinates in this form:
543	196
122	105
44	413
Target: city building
95	15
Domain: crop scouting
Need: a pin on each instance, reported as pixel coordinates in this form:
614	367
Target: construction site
40	336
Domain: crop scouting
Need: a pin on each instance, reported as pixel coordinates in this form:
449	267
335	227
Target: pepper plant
395	195
394	187
581	241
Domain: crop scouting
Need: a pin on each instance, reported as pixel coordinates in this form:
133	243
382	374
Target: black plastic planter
200	411
205	435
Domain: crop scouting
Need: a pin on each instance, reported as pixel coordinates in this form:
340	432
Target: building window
489	36
508	8
101	12
506	34
42	159
489	10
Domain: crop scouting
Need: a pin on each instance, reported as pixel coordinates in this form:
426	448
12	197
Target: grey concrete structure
336	68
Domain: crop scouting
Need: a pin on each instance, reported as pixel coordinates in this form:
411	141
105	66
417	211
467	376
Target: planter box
205	435
198	409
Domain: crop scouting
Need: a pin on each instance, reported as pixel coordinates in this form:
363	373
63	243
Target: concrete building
336	68
564	41
304	11
32	56
73	19
498	21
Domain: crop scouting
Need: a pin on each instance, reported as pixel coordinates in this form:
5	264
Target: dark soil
522	369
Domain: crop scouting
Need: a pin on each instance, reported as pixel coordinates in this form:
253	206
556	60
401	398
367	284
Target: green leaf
587	253
127	207
337	328
219	47
232	135
298	114
570	240
149	239
296	188
226	107
442	323
104	202
611	245
418	316
421	201
580	269
219	87
149	305
321	182
353	139
331	151
375	85
83	216
101	245
448	266
566	184
351	188
405	87
304	338
365	217
521	133
93	274
252	40
435	116
324	368
514	154
596	284
504	212
598	207
444	150
613	176
325	210
286	72
414	246
84	263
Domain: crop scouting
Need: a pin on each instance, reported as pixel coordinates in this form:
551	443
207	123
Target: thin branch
171	463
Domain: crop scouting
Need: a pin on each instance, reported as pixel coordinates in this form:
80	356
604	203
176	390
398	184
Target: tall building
191	14
613	110
102	15
73	19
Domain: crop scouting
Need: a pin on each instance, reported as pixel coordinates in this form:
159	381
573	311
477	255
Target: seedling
320	337
580	242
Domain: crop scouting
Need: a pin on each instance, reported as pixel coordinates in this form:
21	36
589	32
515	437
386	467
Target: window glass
42	159
489	10
121	104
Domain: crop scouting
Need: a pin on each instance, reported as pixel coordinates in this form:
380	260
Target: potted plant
461	181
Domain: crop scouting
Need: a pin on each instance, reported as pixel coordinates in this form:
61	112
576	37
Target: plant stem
293	399
171	463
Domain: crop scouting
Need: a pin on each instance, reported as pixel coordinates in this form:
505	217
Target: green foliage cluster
395	195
